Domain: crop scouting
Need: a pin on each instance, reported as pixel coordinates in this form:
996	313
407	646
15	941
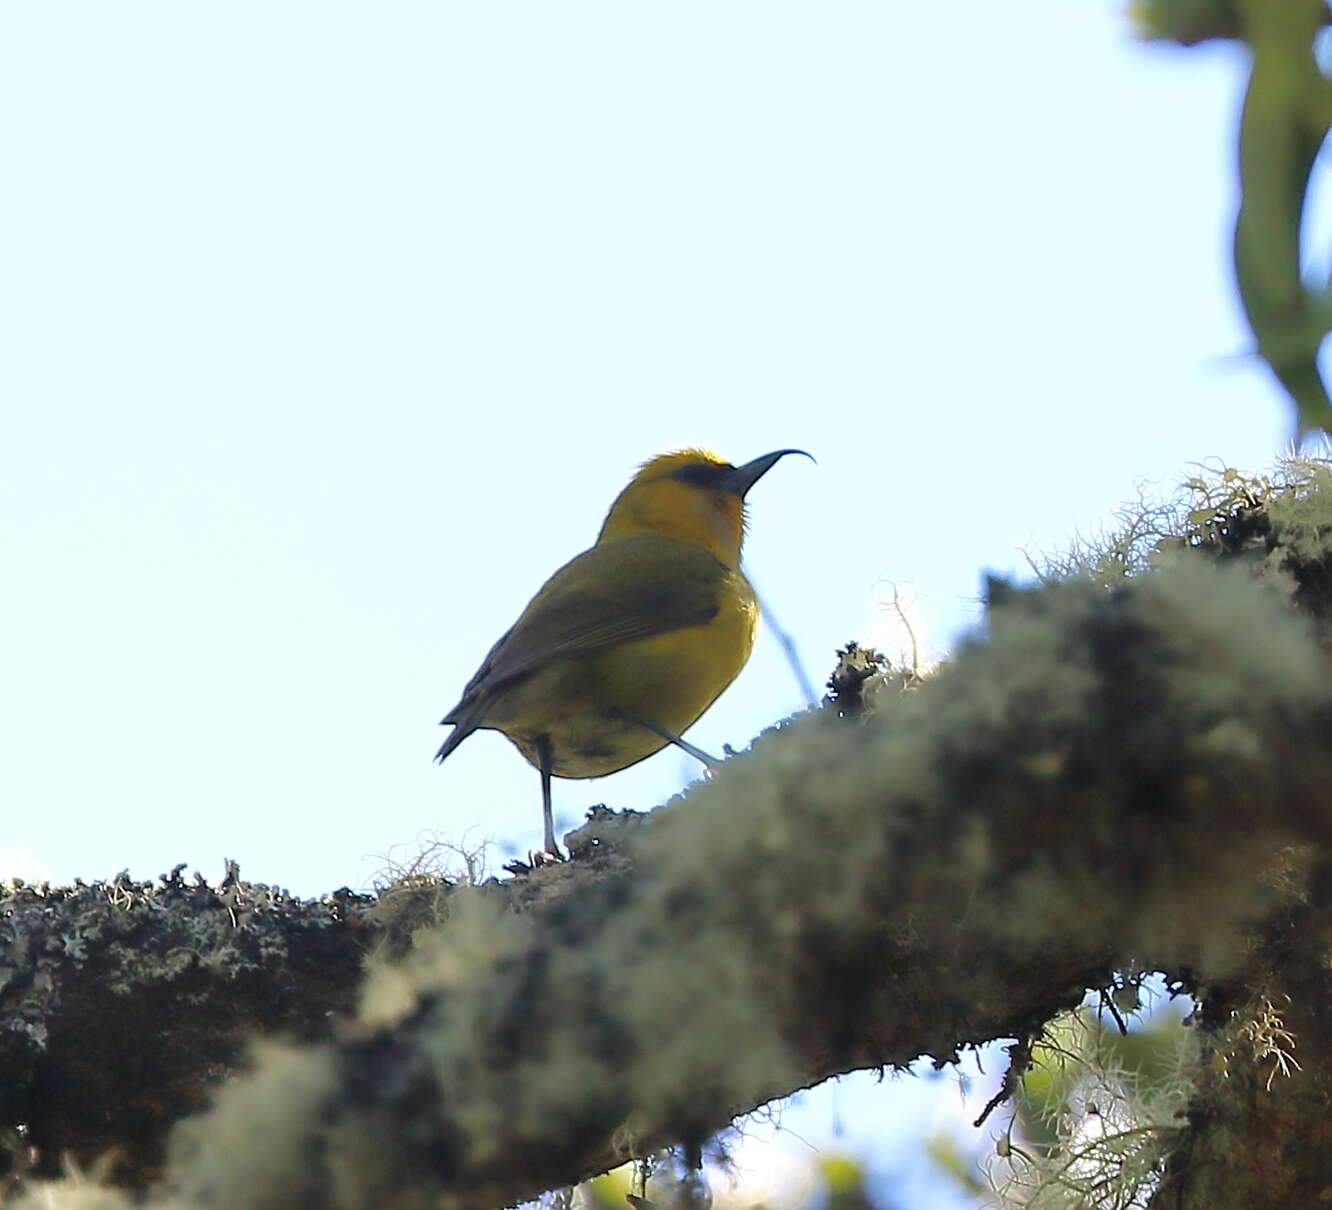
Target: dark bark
123	1004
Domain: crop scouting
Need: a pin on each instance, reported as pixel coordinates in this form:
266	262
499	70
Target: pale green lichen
261	1130
1005	807
1208	510
1104	1111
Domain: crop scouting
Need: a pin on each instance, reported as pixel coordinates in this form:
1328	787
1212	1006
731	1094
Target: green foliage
1287	110
845	1183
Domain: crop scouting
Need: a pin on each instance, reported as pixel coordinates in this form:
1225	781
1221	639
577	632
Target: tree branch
1110	777
1105	780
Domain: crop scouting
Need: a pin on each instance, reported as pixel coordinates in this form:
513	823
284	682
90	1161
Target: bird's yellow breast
589	706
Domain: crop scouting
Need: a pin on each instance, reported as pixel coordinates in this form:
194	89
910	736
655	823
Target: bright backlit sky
330	330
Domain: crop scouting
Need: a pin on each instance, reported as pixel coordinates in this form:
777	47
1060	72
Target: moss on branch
1106	777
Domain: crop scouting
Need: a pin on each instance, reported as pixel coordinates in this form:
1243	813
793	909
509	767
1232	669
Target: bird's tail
463	726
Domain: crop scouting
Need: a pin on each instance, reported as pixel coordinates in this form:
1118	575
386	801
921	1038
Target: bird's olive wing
614	593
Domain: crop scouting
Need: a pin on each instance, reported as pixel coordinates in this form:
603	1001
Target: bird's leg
547	811
670	737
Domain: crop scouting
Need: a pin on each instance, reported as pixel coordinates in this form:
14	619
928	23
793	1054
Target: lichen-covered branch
1125	773
122	1004
1104	779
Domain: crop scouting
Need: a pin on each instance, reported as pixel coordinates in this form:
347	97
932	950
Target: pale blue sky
330	330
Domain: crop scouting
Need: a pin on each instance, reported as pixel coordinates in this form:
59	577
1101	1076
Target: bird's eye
702	474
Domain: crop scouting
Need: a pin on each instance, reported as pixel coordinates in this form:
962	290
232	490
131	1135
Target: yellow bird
628	644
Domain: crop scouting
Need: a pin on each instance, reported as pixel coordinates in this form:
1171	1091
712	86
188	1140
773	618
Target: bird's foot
519	868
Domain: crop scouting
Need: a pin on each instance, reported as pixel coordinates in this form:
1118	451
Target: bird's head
693	495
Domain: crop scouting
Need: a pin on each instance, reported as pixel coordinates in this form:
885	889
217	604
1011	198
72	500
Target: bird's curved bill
744	477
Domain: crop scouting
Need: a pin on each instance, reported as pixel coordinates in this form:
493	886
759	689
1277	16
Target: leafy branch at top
1287	113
